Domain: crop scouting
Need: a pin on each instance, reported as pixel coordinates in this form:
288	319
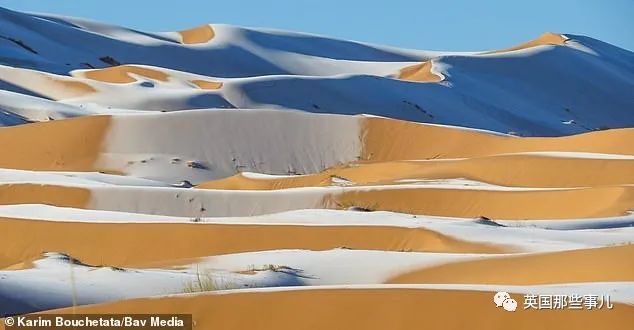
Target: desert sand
121	74
420	72
580	266
197	35
548	38
105	243
362	309
268	179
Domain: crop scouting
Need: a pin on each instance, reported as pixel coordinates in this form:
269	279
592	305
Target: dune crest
510	170
312	181
585	265
420	72
453	142
110	243
510	205
205	84
548	38
121	74
370	309
198	35
46	84
26	193
60	145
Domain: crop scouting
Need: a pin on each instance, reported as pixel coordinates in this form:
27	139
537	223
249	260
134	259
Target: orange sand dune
46	84
364	309
74	144
547	38
205	84
588	265
450	202
506	170
197	35
388	139
69	145
419	72
125	244
466	203
67	88
121	74
26	193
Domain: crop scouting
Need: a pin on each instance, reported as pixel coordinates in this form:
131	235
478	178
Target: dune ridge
547	38
510	170
121	74
458	143
70	145
198	35
362	309
466	203
310	181
584	265
420	72
110	243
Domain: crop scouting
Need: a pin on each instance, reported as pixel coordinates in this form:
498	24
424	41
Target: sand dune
420	72
437	200
468	203
72	144
325	183
204	84
121	74
45	84
362	309
198	35
458	143
547	38
513	170
44	194
449	142
264	69
579	266
111	243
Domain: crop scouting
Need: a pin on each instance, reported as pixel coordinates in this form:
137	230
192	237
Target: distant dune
197	35
262	179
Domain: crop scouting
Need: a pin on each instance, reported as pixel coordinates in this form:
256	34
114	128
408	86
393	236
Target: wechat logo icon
504	300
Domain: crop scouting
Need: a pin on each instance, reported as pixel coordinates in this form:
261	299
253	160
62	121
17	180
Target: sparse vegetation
270	267
205	282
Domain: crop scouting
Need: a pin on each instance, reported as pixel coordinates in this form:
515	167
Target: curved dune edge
111	243
389	139
206	84
548	38
505	170
363	309
508	205
46	84
607	201
198	35
68	145
121	74
71	88
420	72
588	265
74	144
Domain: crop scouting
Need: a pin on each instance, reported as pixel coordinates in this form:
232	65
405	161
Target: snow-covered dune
553	85
310	180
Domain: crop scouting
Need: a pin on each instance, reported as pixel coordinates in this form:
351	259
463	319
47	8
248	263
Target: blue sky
434	25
